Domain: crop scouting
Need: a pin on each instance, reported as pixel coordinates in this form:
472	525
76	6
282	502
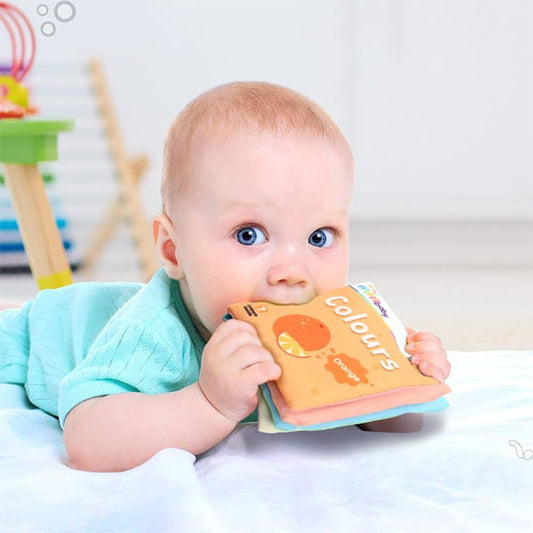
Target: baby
256	191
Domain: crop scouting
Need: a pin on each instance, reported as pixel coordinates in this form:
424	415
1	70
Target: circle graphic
68	11
48	29
308	332
42	10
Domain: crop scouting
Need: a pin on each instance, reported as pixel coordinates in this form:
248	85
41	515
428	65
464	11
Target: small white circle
42	9
68	11
48	29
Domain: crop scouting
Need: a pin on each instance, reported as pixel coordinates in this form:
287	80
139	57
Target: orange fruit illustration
290	346
298	334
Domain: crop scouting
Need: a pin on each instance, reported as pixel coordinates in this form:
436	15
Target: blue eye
321	238
250	236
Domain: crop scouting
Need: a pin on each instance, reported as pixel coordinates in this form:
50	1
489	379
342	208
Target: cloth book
343	362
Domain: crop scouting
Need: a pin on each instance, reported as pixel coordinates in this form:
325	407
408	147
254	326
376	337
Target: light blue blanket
469	469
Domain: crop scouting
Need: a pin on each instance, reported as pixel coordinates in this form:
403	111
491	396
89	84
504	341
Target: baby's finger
261	372
431	370
249	355
229	326
436	359
418	336
425	347
233	337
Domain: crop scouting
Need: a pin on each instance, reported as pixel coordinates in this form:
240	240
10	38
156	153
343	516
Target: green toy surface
30	140
48	177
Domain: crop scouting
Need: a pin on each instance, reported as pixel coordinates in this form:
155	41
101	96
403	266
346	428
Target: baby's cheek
213	317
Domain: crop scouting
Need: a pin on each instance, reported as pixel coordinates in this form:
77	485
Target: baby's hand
428	354
234	364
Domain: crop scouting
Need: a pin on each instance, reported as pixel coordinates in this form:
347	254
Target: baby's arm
430	357
120	431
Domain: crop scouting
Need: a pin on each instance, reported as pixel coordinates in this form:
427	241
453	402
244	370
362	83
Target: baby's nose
288	269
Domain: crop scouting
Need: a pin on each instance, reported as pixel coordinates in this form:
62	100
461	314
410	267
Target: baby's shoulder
87	295
82	303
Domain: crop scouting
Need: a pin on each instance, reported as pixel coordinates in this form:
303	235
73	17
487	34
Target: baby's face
265	218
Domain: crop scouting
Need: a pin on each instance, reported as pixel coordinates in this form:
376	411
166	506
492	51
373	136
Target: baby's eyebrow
250	209
255	209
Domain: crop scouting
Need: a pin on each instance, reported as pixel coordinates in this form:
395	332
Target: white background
435	96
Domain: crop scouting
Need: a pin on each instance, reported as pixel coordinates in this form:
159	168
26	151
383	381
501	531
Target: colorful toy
13	94
343	362
30	142
13	256
24	143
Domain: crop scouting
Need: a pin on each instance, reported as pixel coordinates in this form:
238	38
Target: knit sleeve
14	344
151	356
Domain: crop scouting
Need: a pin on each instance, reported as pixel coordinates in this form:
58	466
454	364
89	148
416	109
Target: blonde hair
265	107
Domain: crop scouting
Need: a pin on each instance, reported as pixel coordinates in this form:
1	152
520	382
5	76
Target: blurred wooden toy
13	256
127	205
13	94
24	143
14	104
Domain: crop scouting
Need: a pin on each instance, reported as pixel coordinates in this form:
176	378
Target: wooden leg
127	207
101	237
140	228
42	242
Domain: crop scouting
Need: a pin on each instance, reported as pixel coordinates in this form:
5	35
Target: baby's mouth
296	299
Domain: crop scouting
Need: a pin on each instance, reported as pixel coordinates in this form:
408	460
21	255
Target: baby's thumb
266	371
275	371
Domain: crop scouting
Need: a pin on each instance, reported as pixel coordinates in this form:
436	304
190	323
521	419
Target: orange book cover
341	346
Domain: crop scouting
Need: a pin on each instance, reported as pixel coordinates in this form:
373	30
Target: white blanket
469	469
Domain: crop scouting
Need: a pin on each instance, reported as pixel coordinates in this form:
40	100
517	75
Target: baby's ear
165	243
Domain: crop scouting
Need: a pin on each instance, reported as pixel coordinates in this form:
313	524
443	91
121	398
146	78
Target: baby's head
256	190
252	107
